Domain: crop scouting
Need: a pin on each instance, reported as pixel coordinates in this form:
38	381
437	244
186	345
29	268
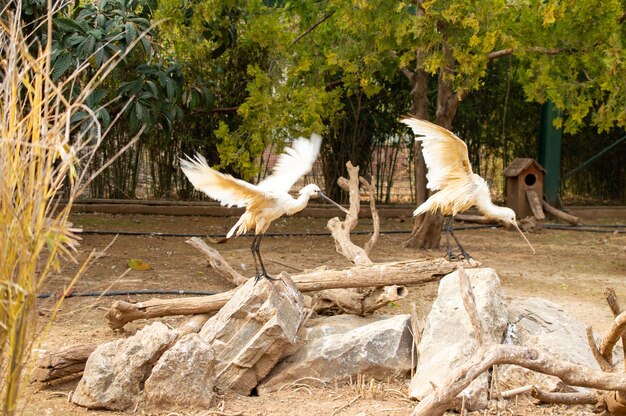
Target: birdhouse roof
520	164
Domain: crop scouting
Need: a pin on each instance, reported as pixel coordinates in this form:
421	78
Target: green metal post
550	139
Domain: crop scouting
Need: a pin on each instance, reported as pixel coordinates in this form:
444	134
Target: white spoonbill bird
267	200
450	173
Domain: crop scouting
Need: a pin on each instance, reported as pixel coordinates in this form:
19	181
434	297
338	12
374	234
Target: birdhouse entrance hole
530	179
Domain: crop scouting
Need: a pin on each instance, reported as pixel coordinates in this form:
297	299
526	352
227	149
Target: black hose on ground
601	228
130	292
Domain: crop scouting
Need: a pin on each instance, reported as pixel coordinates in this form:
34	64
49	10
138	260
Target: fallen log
364	302
413	272
560	214
63	362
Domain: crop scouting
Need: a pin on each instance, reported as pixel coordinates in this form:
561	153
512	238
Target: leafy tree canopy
572	53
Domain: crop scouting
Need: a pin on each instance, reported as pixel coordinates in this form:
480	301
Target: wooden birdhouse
524	187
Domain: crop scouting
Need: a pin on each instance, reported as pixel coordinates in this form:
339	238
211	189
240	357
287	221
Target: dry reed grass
43	157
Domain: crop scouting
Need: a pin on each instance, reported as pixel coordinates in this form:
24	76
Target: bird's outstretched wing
444	153
222	187
295	162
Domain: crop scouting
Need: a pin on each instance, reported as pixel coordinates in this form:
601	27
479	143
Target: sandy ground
570	268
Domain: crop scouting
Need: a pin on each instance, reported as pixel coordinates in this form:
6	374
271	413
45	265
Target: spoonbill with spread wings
450	173
266	201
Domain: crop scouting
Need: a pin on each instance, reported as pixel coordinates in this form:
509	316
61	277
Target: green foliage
574	55
155	96
228	79
318	60
461	34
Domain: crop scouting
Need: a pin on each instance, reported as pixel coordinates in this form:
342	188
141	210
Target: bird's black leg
448	229
257	275
258	253
464	253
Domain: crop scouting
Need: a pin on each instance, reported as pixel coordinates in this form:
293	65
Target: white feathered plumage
267	200
450	174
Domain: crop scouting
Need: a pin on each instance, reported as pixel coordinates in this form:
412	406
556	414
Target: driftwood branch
363	302
375	218
334	301
340	230
602	362
63	362
615	401
355	301
586	397
516	391
412	272
560	214
489	354
615	333
217	262
442	398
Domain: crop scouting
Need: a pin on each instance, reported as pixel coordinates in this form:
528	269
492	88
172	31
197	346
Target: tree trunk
426	233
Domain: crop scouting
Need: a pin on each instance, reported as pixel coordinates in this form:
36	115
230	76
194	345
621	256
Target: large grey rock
250	332
448	339
116	371
183	377
544	325
341	346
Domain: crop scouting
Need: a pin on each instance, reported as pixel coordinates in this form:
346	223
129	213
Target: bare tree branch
217	261
611	299
611	338
514	392
602	362
489	354
375	218
499	54
436	403
588	397
535	49
312	28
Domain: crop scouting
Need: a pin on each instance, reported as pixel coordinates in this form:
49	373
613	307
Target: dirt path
570	268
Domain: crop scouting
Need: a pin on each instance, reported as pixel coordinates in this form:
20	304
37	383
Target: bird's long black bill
321	194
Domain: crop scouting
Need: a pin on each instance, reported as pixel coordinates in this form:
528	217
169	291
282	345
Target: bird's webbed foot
265	275
466	255
452	256
462	256
273	279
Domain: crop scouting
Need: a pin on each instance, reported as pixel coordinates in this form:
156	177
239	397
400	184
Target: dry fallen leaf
138	264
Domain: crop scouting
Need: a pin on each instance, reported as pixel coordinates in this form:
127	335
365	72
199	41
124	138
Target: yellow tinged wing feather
222	187
295	162
445	154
